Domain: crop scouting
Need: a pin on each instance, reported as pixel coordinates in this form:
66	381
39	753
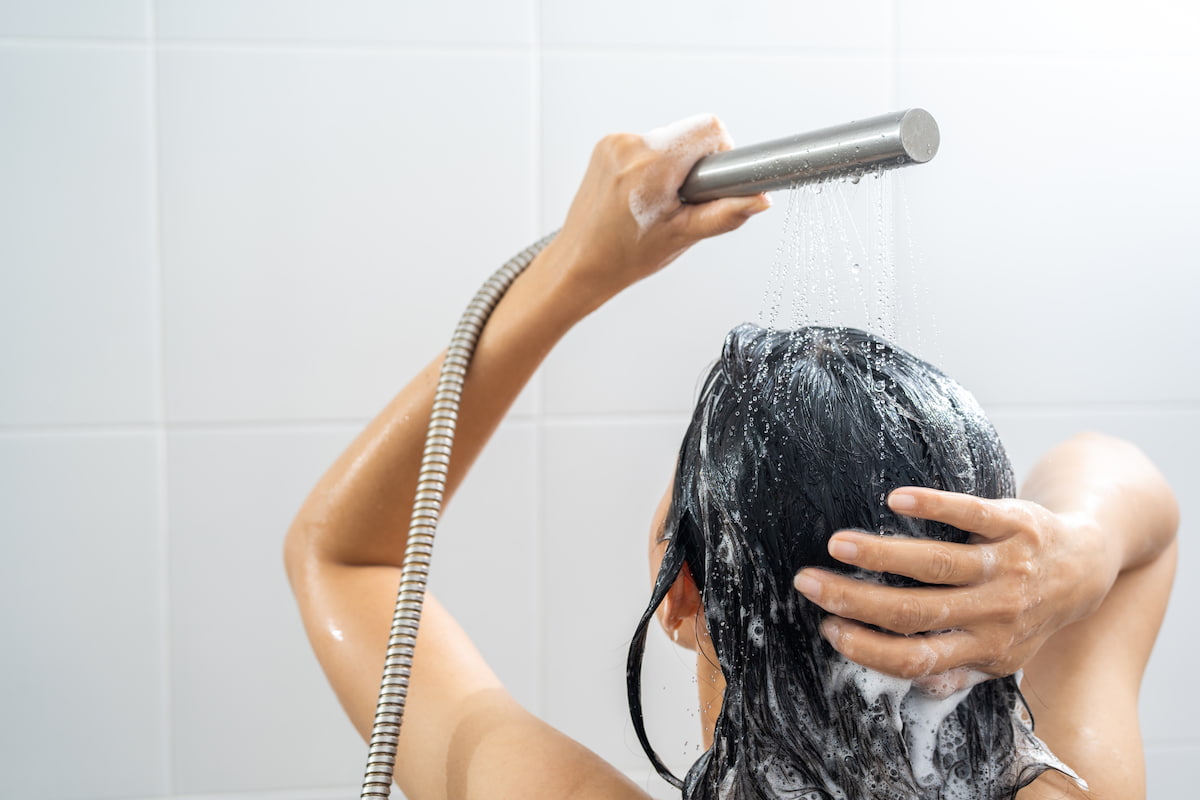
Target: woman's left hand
993	602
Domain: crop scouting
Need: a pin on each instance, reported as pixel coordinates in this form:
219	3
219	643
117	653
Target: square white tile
646	350
244	678
1057	260
350	21
101	19
78	324
83	617
326	218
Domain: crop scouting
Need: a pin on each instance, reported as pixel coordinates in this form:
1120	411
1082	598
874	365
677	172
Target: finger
899	610
721	216
926	560
991	519
902	656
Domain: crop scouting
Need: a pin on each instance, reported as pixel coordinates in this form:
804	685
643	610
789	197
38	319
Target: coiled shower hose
427	507
885	142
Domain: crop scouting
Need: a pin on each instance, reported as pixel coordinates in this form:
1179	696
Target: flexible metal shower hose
427	506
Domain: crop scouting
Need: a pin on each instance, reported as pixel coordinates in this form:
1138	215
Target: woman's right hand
627	221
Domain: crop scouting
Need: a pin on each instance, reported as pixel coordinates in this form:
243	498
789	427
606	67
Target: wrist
571	280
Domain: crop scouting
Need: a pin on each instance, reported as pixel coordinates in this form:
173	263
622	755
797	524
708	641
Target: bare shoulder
1082	686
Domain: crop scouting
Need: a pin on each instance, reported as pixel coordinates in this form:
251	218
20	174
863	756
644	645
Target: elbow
1147	494
297	552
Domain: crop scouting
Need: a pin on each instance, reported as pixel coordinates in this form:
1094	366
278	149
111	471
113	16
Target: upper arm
1082	685
462	736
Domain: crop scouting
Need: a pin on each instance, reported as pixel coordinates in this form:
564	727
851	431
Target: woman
1092	548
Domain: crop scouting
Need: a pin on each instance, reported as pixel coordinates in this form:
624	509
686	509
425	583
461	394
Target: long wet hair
796	435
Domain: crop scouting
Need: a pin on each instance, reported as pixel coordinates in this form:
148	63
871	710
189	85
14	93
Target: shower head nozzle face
919	135
885	142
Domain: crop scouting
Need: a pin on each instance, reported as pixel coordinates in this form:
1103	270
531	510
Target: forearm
1111	483
358	513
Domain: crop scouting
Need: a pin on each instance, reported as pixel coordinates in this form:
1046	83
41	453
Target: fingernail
902	502
842	550
763	202
807	585
831	630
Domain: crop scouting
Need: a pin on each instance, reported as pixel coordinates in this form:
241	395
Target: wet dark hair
796	435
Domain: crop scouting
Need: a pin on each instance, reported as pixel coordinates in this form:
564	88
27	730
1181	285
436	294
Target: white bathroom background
231	229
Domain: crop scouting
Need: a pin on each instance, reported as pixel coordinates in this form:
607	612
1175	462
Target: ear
681	613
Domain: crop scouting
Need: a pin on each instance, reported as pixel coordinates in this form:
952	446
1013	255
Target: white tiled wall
230	230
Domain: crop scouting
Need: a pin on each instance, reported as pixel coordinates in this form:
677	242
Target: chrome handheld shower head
884	142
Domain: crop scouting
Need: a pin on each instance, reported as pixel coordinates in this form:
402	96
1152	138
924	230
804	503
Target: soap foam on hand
668	136
648	210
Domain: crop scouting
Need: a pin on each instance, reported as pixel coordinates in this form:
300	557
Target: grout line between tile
1102	409
705	51
345	48
590	420
99	42
161	439
543	418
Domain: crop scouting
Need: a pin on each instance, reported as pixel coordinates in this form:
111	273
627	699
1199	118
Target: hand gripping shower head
892	140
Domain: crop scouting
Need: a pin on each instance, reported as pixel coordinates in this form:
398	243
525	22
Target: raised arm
344	548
